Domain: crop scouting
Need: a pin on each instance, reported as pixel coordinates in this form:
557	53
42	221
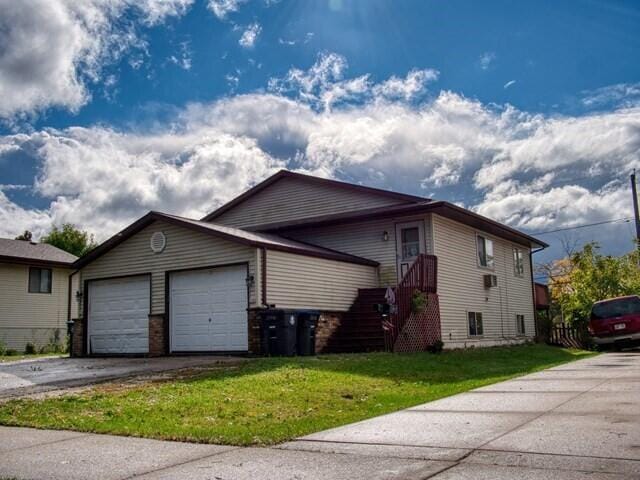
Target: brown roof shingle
22	251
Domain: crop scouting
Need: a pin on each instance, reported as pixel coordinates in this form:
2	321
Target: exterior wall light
385	236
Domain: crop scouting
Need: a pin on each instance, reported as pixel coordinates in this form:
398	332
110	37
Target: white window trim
515	263
486	237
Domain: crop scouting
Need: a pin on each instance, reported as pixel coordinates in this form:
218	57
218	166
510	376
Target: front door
409	244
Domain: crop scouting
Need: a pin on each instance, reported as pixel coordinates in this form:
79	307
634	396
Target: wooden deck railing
421	276
568	336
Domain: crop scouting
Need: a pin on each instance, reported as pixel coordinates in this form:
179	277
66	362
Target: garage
118	316
208	310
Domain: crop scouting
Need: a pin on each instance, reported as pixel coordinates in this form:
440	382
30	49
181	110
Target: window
518	262
475	324
485	251
39	280
410	238
520	324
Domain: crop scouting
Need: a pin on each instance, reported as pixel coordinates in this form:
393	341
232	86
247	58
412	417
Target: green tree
588	276
70	239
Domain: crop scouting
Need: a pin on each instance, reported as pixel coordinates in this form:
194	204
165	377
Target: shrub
436	347
10	352
30	348
418	301
3	348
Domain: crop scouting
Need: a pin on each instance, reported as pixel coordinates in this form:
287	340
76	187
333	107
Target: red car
615	322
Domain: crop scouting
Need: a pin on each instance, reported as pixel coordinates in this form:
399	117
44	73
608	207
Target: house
168	284
34	293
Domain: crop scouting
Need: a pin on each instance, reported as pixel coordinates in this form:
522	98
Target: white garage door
209	310
118	314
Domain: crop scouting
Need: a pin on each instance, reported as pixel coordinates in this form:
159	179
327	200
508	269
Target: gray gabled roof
263	240
22	251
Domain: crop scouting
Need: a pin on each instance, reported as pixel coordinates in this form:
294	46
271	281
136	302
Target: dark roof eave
287	174
149	218
440	207
34	261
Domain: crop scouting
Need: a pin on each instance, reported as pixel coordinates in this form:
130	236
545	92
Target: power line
626	219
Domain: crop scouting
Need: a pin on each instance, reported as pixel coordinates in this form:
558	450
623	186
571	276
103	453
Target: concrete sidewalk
576	421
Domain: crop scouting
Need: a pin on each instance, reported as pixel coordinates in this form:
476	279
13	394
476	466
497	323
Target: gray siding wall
292	199
31	317
295	281
185	249
364	239
461	288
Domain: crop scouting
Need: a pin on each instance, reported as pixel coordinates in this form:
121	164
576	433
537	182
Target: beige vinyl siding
185	249
295	281
364	239
461	286
31	317
292	199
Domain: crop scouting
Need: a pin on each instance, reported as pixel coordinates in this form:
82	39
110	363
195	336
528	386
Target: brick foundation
77	339
158	336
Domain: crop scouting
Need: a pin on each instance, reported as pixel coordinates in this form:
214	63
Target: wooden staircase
361	328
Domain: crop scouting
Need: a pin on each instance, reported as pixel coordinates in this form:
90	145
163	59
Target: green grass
270	400
31	356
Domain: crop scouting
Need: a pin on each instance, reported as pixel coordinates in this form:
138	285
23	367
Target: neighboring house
168	284
34	293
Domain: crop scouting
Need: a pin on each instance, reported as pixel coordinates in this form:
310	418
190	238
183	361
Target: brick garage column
77	338
158	336
253	330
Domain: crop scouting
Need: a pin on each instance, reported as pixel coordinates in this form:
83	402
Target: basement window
520	324
475	324
39	280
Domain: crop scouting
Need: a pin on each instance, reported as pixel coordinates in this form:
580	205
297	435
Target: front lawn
270	400
30	356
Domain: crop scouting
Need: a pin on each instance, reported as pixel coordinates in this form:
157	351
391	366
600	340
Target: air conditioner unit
490	281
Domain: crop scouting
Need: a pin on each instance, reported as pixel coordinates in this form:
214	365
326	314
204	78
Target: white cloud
503	162
182	58
486	59
323	85
621	94
406	88
250	35
510	83
222	8
53	48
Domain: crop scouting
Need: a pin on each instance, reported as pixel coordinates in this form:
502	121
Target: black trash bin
307	324
278	330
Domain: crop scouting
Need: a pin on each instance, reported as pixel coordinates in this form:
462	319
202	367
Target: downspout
70	281
533	287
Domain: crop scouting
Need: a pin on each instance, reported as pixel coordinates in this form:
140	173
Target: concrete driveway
575	422
26	377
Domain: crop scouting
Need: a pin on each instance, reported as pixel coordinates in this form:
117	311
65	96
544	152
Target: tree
26	236
70	239
588	276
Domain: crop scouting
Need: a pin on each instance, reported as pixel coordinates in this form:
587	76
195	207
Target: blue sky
528	112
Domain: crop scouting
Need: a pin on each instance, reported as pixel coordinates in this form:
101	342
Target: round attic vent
158	242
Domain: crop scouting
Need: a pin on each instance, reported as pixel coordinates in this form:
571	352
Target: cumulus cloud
52	48
222	8
531	171
323	85
250	35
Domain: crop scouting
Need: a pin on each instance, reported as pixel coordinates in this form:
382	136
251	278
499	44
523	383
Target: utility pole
636	216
